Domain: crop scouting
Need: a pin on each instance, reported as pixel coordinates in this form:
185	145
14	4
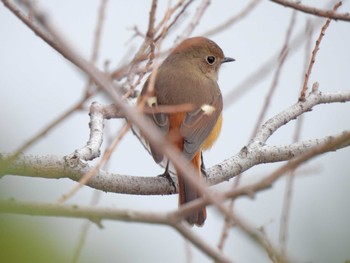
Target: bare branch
313	10
334	143
228	223
296	110
256	152
97	214
98	31
314	52
92	149
195	21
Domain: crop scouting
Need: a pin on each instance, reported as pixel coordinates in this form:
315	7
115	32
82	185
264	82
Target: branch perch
256	152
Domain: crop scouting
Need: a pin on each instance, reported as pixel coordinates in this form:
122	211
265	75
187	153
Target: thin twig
97	40
152	19
195	21
331	14
143	53
150	33
166	28
98	31
262	72
314	53
228	223
168	13
149	41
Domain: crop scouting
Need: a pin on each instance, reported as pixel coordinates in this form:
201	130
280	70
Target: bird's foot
167	175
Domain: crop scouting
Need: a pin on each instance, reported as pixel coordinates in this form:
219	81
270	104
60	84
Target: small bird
188	76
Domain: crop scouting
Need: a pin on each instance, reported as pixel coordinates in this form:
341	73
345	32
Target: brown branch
97	41
142	53
195	21
98	31
331	14
166	28
313	55
228	223
150	32
152	19
148	42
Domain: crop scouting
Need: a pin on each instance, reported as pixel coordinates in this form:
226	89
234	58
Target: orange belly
214	134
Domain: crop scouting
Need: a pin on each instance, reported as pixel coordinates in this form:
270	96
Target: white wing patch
151	101
207	109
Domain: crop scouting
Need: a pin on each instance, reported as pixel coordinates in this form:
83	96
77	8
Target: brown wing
198	124
161	120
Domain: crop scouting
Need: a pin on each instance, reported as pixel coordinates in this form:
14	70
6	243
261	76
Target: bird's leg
167	175
203	170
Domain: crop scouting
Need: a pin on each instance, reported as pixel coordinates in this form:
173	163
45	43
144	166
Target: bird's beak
227	59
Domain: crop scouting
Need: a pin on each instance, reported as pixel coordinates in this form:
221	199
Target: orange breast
208	143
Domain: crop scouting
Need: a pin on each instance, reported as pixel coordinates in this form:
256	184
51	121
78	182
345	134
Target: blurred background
37	85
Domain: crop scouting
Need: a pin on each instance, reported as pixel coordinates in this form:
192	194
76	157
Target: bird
188	76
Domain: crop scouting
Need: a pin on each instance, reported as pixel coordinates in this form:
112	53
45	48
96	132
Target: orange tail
188	193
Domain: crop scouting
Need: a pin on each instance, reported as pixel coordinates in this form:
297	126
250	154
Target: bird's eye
211	60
